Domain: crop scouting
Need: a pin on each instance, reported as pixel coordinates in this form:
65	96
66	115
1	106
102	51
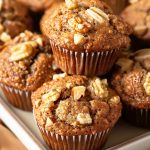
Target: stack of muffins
61	72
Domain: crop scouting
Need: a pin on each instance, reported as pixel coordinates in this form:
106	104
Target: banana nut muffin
132	82
25	63
38	5
138	16
85	34
74	106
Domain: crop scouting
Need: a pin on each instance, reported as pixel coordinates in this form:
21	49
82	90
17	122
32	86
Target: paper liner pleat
84	63
77	142
136	116
18	98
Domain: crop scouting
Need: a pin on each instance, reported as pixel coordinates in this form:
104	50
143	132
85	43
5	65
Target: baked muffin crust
75	105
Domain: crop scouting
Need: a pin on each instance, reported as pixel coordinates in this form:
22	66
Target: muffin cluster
60	70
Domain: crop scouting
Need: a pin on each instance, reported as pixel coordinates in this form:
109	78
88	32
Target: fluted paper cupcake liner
77	142
18	98
136	116
84	63
117	5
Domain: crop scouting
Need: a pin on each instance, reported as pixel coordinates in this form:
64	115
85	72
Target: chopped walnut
49	122
114	100
84	118
142	54
59	76
53	96
5	37
99	87
77	92
125	64
147	84
140	29
71	4
79	39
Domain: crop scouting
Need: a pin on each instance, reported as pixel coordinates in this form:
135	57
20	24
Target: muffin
75	112
117	5
38	5
137	15
25	63
132	82
85	36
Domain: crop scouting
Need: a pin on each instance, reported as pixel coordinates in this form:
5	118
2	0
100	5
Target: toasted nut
37	103
140	29
39	41
5	37
100	12
53	96
71	4
80	26
49	122
133	1
84	118
1	28
20	52
79	39
68	85
1	4
147	84
72	23
77	92
59	76
94	15
142	54
114	100
125	64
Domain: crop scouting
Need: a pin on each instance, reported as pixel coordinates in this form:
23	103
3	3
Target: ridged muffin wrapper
136	116
117	5
18	98
84	63
77	142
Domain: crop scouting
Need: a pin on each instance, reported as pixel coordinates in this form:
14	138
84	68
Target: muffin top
76	105
87	25
14	19
131	79
25	61
138	16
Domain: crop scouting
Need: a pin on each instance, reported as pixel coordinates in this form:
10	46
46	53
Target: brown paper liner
84	63
18	98
117	5
78	142
136	116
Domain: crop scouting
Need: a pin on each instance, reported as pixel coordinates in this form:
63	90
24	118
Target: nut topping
79	39
147	84
142	54
84	118
59	76
49	122
140	29
53	96
114	100
5	37
71	4
77	92
125	64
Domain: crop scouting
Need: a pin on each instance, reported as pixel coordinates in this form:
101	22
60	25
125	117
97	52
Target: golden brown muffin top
87	25
26	62
75	105
138	16
132	79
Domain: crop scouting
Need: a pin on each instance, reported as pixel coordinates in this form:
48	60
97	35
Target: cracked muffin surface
75	105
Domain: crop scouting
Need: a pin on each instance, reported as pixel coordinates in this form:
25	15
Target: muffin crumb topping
77	92
5	37
79	39
147	84
59	76
84	118
71	4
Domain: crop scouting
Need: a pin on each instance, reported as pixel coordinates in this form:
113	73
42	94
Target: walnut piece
140	29
52	96
142	54
99	87
114	100
125	64
79	39
59	76
77	92
71	4
84	118
5	37
147	84
49	122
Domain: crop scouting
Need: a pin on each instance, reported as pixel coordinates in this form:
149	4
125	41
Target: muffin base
78	142
84	63
18	98
136	116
